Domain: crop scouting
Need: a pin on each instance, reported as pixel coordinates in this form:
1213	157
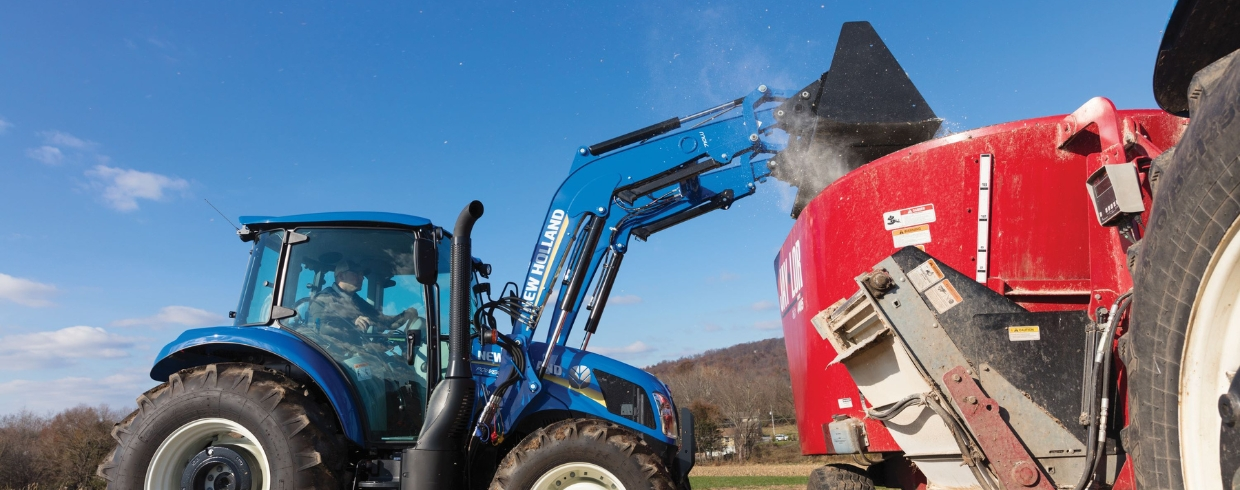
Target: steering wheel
298	320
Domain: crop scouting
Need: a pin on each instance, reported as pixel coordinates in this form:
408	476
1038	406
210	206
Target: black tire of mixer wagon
839	477
609	446
1197	202
304	449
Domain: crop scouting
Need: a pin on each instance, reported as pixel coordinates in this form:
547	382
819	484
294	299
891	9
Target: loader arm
648	180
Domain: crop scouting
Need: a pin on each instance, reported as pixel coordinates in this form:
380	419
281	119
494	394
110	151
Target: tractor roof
363	218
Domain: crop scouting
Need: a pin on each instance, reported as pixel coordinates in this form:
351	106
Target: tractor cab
363	289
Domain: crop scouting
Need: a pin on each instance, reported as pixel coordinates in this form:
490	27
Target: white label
913	235
1018	334
903	218
925	275
845	402
363	371
943	296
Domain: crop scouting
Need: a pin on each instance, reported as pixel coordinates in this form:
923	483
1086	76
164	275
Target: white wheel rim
169	461
578	476
1211	356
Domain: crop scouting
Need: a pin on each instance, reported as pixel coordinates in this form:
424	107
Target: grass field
749	482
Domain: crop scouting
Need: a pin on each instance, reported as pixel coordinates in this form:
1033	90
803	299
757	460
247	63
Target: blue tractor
366	352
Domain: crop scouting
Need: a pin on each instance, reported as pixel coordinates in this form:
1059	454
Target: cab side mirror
426	260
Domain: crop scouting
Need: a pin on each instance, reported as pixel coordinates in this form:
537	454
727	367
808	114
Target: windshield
355	295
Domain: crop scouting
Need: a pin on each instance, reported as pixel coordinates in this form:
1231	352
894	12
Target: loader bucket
864	107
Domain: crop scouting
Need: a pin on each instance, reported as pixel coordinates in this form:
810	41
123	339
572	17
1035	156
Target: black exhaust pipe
438	461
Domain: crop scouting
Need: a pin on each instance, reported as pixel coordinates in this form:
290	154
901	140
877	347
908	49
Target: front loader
344	369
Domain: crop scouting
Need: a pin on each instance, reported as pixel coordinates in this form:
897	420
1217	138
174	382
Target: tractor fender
203	346
593	385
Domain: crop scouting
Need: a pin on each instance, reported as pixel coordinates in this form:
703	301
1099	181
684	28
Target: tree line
732	392
59	451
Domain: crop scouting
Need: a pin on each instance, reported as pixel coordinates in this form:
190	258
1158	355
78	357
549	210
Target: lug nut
1228	408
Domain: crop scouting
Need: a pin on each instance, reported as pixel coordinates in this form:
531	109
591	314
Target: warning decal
943	296
1017	334
845	402
904	218
913	235
925	275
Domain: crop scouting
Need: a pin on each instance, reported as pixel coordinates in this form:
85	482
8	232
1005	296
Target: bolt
601	209
1097	296
971	400
533	386
1228	408
779	113
762	88
956	378
724	156
753	138
772	164
750	185
804	95
986	368
1024	474
1083	419
582	151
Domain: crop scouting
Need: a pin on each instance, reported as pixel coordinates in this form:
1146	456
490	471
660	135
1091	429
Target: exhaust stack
438	461
864	107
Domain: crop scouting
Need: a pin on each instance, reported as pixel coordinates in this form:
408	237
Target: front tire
1185	338
230	424
587	453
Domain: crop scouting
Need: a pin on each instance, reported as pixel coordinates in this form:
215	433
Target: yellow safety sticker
1027	332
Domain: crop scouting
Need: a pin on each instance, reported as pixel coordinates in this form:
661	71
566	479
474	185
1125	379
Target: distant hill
759	359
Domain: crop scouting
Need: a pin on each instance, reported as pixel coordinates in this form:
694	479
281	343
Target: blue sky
118	120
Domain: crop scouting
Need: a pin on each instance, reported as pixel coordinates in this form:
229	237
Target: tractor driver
344	313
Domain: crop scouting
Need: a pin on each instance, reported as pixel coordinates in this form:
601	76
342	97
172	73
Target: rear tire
282	434
1185	335
839	477
586	452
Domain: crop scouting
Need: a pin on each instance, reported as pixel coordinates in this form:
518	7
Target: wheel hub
578	476
218	468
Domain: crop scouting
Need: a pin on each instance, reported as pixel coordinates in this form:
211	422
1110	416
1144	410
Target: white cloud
711	327
25	291
762	305
636	349
5	125
627	299
57	138
48	155
768	325
174	315
117	390
122	188
48	349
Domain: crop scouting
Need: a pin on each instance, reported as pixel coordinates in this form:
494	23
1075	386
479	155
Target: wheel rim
169	462
1211	356
578	476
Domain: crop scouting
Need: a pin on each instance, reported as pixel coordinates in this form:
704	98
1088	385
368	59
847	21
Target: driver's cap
348	265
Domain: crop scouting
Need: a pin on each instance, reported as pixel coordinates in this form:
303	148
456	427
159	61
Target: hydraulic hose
1095	442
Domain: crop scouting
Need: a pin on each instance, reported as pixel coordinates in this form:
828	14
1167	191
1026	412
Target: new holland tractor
345	369
1047	303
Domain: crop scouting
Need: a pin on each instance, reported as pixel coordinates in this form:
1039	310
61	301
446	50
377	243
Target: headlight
667	415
